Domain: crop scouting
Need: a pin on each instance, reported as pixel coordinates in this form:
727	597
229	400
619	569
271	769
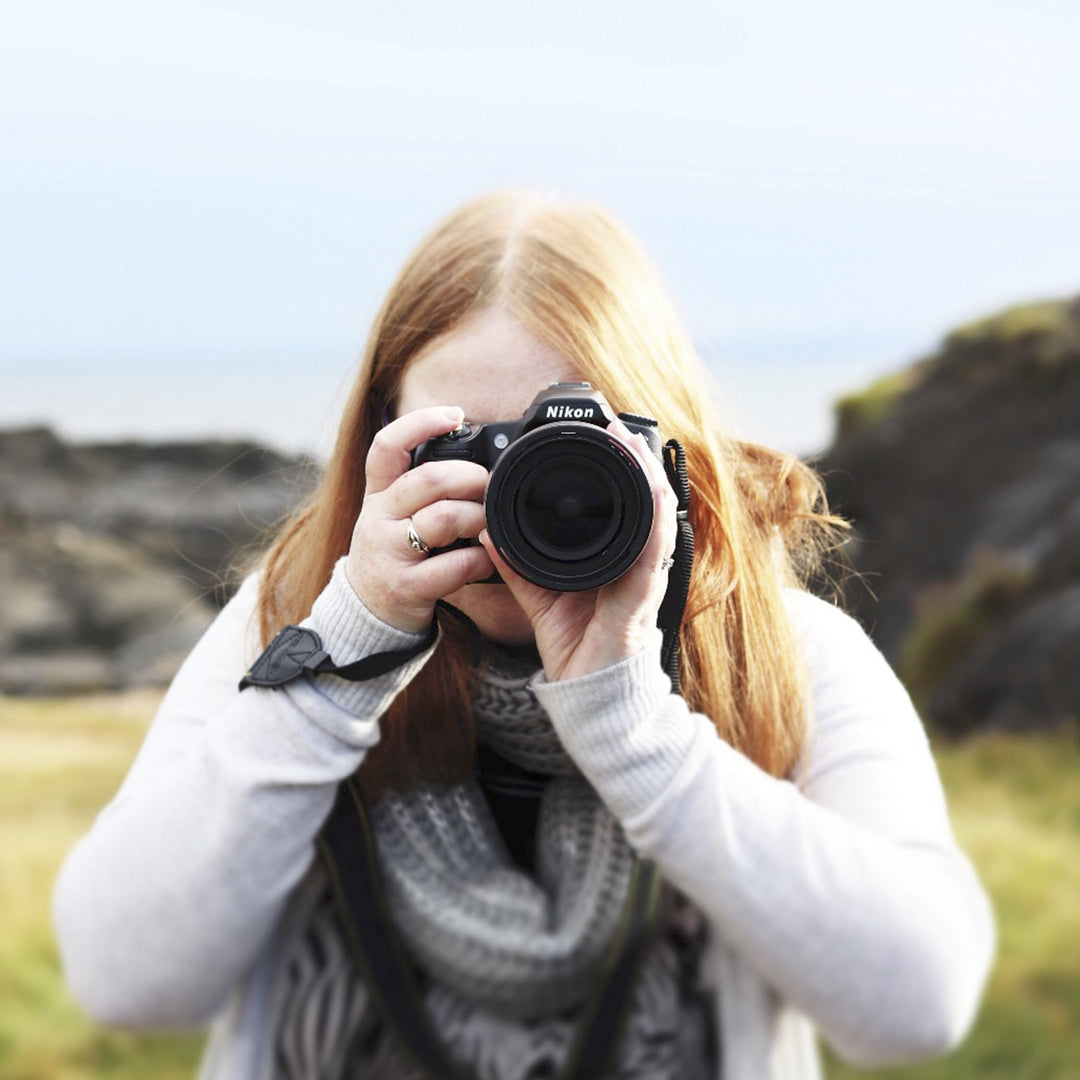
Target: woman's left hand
578	633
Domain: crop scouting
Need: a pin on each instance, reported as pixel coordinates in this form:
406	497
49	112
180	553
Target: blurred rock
114	558
962	477
1022	675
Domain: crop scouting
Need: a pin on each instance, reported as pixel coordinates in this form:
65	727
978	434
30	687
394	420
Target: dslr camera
568	505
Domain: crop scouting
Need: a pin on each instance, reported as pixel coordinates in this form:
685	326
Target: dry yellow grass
60	762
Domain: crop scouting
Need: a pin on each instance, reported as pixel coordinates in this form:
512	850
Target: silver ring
415	542
667	564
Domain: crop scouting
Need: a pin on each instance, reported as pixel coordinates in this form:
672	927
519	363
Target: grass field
1015	806
1015	803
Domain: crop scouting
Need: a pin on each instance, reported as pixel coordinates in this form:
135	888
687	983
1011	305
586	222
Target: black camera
568	505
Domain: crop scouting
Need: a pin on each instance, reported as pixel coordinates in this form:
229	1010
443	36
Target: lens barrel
569	506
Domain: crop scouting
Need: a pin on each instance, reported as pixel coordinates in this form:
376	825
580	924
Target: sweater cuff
349	632
624	728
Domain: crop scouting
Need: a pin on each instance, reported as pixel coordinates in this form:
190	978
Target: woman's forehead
491	366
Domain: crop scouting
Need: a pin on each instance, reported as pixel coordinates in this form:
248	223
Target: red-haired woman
786	799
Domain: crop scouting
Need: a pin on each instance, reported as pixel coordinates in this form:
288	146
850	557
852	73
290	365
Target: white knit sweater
838	901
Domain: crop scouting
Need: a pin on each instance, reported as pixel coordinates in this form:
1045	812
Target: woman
788	797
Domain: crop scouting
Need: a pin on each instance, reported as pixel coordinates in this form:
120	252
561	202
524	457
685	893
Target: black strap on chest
347	848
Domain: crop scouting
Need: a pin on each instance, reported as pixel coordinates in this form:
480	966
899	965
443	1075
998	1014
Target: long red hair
573	276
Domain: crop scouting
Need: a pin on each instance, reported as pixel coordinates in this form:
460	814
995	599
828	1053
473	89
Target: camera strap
347	847
673	606
297	651
670	616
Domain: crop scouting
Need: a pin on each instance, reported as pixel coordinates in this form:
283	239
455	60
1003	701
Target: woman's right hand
444	500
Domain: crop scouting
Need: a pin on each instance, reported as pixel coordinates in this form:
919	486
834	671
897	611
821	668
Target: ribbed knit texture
619	724
350	632
839	901
328	1028
509	958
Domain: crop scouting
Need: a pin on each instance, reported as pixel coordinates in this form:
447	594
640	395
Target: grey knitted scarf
509	956
491	932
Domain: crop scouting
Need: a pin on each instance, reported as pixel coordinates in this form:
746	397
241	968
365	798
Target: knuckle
441	473
431	474
443	517
377	453
447	476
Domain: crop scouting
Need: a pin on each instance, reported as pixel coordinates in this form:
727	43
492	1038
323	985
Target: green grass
1038	341
1013	324
1015	805
869	406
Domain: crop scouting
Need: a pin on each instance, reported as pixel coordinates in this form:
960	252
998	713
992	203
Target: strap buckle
294	652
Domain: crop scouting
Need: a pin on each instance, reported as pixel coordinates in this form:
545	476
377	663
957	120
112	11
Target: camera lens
569	506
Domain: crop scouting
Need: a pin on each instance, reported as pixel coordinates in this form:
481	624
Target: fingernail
455	415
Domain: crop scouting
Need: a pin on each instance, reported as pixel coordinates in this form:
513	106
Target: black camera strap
297	651
346	845
670	616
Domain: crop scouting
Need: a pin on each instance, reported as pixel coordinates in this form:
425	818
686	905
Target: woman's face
492	367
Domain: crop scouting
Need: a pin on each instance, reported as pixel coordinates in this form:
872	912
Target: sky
202	204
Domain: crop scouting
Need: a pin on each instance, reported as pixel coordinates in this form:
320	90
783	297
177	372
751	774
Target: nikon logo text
568	412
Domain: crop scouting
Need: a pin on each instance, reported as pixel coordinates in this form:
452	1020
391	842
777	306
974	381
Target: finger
441	523
653	466
388	457
439	575
532	599
433	481
660	545
659	552
400	585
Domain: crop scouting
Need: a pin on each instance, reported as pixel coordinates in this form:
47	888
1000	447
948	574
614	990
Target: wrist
624	728
602	652
397	619
349	628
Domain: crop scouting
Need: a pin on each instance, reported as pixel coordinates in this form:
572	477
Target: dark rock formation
114	558
962	477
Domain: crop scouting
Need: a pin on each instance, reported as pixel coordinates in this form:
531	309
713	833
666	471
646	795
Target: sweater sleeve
161	909
845	890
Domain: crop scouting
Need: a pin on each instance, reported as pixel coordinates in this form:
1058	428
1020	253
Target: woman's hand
444	501
578	633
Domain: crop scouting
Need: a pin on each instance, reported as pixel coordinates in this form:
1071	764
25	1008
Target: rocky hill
962	477
114	558
961	474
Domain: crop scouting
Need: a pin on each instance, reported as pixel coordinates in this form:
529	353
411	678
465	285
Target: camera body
568	505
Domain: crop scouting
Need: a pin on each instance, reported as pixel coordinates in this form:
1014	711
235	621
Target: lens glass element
569	507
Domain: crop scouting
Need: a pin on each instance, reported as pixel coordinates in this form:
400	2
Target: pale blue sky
202	204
